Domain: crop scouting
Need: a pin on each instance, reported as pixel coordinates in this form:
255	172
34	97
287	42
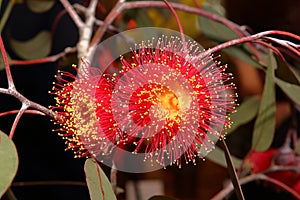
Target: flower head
167	102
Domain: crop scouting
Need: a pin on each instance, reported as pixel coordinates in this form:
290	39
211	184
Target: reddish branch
48	59
253	38
12	91
121	6
34	112
227	190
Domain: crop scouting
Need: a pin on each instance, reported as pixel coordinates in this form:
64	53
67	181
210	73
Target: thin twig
24	107
227	190
120	6
48	59
178	23
98	22
72	13
11	84
248	39
86	31
287	44
21	98
49	183
11	112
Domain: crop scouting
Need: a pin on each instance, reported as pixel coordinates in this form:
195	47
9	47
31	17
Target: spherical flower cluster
167	101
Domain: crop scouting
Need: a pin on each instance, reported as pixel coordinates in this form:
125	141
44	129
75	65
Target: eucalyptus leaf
244	113
217	156
40	6
296	72
285	72
98	184
264	126
37	47
215	30
291	90
9	162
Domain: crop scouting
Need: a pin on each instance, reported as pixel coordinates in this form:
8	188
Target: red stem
52	58
178	22
72	13
11	112
17	119
6	65
250	38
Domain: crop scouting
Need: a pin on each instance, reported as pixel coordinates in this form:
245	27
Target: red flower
167	100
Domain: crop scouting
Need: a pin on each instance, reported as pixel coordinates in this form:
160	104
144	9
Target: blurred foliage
37	47
40	6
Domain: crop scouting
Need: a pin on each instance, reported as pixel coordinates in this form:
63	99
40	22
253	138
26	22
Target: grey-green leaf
215	30
9	162
244	113
264	126
37	47
291	90
98	184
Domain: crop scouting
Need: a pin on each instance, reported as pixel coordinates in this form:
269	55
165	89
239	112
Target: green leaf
291	90
264	126
9	162
98	184
40	6
37	47
244	113
218	157
160	197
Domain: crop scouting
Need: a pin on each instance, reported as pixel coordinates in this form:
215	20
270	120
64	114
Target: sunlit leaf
40	6
218	157
291	90
244	113
98	184
264	126
164	18
8	162
37	47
